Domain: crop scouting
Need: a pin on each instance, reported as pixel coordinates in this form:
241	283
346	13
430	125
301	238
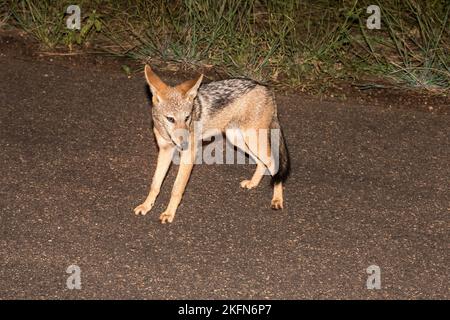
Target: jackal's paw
166	216
247	184
277	204
142	209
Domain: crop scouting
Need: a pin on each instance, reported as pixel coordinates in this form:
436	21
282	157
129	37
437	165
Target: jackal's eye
187	118
170	119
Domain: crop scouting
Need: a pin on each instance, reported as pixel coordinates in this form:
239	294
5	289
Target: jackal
239	104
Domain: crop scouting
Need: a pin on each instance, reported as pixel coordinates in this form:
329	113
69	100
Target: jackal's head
172	106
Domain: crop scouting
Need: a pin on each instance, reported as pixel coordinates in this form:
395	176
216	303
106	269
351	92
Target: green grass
45	20
294	43
417	49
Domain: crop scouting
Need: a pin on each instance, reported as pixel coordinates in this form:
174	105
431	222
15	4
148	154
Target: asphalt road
369	186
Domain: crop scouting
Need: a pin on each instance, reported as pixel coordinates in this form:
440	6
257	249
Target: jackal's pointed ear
189	88
157	86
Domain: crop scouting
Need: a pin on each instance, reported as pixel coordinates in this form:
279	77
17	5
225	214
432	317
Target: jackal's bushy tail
284	162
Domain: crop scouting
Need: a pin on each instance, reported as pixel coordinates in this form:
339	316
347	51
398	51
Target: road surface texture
369	186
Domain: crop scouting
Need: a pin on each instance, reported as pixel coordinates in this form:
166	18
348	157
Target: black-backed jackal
237	107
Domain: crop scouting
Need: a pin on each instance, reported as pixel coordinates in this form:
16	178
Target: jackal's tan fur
229	104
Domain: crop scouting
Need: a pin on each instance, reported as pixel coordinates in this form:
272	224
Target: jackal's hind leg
237	138
277	199
264	157
256	178
260	152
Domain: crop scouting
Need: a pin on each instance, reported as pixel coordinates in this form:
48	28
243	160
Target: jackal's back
217	95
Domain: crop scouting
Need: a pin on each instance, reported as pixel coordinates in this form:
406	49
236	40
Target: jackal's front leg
184	172
165	155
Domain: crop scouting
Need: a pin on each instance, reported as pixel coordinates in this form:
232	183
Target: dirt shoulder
371	92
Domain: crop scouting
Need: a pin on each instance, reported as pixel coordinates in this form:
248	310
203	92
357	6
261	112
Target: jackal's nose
184	145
